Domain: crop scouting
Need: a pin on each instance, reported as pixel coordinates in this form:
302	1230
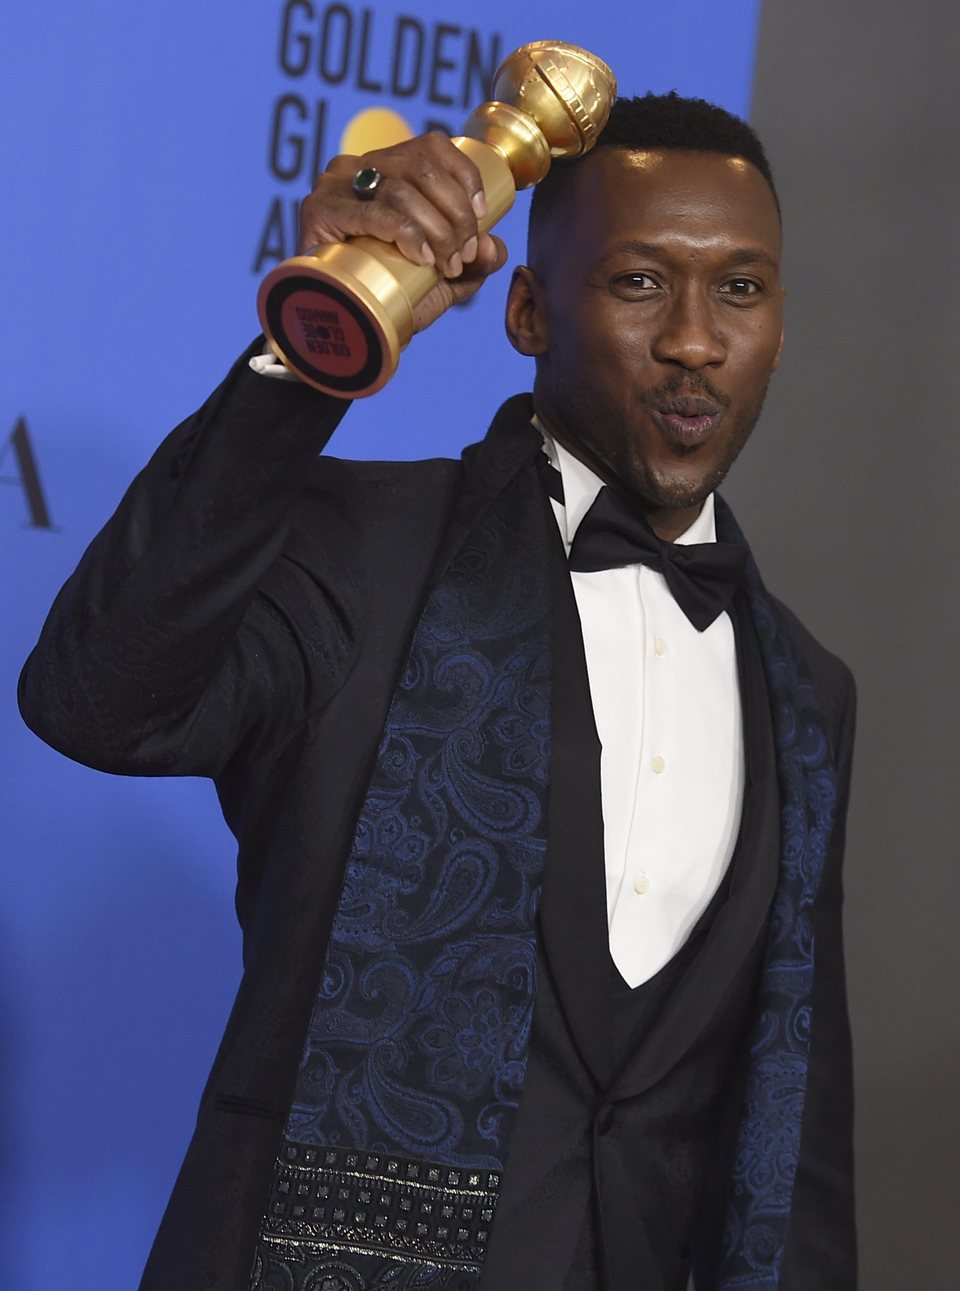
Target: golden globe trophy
339	315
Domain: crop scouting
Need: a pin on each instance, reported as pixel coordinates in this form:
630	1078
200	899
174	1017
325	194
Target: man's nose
689	335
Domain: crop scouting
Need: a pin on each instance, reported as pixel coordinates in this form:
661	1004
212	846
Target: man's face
653	305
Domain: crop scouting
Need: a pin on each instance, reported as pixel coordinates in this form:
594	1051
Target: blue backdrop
154	158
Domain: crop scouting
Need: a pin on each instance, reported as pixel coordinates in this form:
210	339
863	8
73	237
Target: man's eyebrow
656	251
753	255
635	248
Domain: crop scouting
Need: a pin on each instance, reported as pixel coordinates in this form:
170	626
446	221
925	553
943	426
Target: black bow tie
703	577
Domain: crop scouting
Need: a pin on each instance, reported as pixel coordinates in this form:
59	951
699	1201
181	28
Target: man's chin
678	487
668	493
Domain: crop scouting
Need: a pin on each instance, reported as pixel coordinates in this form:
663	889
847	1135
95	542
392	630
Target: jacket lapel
573	911
488	467
573	904
766	1158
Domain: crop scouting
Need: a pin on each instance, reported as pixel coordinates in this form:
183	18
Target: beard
676	476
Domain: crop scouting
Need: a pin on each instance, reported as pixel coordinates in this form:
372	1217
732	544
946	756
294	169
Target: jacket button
603	1121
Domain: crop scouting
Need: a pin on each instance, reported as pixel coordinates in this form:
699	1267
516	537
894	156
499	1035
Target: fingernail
479	203
454	266
426	253
469	252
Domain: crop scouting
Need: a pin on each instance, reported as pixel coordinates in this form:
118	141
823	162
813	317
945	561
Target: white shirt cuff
266	364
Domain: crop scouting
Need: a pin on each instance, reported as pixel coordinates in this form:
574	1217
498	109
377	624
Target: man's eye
638	282
740	287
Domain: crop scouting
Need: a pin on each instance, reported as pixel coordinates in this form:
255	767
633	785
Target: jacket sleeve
820	1250
188	628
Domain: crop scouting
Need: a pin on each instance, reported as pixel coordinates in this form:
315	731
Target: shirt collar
581	486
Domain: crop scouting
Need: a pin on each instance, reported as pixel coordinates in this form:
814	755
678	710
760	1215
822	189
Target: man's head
652	300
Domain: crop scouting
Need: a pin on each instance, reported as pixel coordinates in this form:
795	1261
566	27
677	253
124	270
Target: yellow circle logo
374	128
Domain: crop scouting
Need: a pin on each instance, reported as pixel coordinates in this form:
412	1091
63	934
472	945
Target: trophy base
326	337
338	317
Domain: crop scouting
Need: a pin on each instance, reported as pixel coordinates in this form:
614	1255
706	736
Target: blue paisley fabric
768	1144
416	1048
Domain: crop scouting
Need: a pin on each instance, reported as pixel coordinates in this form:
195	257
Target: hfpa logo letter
18	452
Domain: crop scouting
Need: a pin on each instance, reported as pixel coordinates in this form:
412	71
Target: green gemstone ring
366	182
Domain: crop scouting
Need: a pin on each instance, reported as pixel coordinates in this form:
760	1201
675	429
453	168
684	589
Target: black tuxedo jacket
244	616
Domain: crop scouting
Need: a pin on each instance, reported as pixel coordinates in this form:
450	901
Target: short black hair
661	121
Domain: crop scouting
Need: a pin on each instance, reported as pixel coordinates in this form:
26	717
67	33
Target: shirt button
659	765
660	646
641	884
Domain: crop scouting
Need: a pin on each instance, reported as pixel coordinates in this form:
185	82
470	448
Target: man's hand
427	204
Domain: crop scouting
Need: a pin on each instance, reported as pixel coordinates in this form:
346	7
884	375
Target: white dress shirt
667	707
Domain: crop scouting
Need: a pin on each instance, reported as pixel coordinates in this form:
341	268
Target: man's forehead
674	167
618	193
624	185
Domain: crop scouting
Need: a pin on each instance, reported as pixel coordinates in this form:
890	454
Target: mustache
689	385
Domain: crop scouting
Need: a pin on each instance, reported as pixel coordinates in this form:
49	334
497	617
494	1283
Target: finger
491	256
434	155
429	184
424	155
432	186
442	188
442	216
333	213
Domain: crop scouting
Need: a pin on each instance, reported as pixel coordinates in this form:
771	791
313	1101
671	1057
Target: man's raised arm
168	645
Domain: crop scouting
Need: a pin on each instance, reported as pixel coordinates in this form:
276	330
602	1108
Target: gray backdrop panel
849	494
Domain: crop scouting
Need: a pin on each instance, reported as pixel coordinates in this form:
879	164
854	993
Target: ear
526	319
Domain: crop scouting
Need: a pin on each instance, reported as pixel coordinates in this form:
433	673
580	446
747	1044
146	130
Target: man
428	692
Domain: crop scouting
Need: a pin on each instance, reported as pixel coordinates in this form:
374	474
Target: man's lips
688	420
